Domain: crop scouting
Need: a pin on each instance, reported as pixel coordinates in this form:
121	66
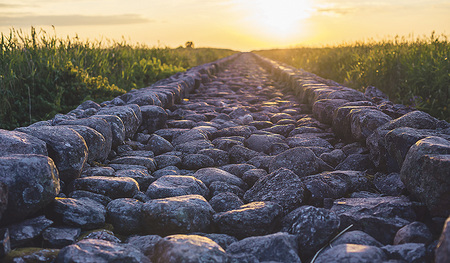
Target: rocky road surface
240	171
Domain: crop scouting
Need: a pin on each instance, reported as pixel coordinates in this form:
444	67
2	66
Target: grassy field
411	72
41	75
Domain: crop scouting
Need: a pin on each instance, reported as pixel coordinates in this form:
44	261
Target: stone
356	162
415	119
183	124
84	212
95	142
323	109
127	114
278	247
96	250
23	233
410	252
188	248
237	169
66	148
159	145
5	242
241	154
112	187
190	135
352	253
142	177
14	142
149	163
334	157
225	201
365	121
104	200
196	161
372	92
153	118
125	215
415	232
222	240
356	237
117	129
300	160
253	175
375	213
97	171
146	244
33	254
194	146
219	157
59	237
166	160
313	228
176	185
281	186
226	144
282	130
244	131
209	175
180	214
262	143
442	252
425	174
102	234
101	126
389	184
223	187
29	183
253	219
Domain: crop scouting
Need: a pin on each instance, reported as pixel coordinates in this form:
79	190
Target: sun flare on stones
281	18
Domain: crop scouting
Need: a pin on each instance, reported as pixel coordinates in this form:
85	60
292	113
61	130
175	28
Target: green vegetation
41	74
415	73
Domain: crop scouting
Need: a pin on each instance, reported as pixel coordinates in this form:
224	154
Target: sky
242	25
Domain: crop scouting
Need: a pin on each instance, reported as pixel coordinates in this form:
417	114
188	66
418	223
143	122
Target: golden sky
236	24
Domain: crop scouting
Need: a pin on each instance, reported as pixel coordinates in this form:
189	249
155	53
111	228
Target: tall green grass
413	72
41	74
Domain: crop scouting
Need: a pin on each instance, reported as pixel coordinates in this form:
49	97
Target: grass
41	74
412	72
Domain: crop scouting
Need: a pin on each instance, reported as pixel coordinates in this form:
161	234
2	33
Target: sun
278	17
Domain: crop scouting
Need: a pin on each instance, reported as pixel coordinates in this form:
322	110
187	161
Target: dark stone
253	219
356	162
261	162
283	130
95	142
176	185
278	247
262	143
181	214
166	160
29	183
220	157
104	200
97	171
14	142
372	214
334	157
226	201
153	118
125	215
66	148
300	160
102	234
84	212
356	237
222	240
59	237
5	242
312	226
190	135
95	250
411	252
389	184
23	233
226	144
281	186
244	131
149	163
323	109
414	119
253	175
415	232
159	145
128	115
196	161
33	254
146	244
113	187
442	253
237	169
352	253
425	174
183	124
365	121
188	248
117	129
218	187
194	146
142	177
209	175
241	154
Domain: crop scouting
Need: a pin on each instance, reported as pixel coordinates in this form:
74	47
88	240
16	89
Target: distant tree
189	44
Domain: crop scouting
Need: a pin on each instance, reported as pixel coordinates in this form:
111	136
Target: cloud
3	5
72	20
336	10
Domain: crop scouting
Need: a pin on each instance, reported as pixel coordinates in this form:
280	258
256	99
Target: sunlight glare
279	17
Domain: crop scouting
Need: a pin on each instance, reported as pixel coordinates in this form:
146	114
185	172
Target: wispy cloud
72	20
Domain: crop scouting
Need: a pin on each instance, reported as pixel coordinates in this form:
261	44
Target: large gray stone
95	142
96	250
153	118
23	233
425	173
113	187
300	160
84	212
66	148
442	253
181	214
127	114
175	185
352	253
125	215
117	129
14	142
209	175
365	121
32	183
188	248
